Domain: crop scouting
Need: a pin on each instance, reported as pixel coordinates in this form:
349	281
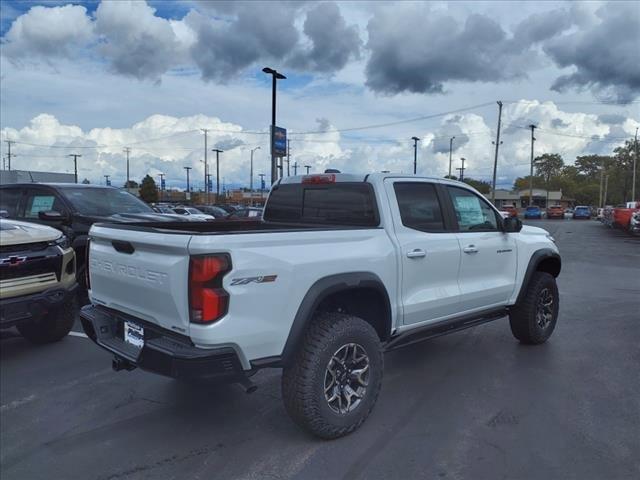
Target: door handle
470	249
417	253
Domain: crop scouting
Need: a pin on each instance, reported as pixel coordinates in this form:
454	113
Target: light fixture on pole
415	154
275	77
218	152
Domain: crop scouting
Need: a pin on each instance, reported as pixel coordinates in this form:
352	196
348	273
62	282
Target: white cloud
45	32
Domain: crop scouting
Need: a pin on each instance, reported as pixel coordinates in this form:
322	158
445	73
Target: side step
442	328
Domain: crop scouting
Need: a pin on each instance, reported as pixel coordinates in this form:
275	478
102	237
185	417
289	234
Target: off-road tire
303	381
523	317
53	326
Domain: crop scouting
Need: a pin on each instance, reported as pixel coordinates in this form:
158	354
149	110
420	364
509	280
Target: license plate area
133	334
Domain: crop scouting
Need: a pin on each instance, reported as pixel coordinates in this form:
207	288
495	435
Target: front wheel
334	379
533	320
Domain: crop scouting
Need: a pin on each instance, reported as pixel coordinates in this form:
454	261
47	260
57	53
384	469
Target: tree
148	190
86	181
131	184
522	183
548	165
590	165
482	187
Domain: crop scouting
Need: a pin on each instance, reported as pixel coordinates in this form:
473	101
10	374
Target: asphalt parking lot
475	404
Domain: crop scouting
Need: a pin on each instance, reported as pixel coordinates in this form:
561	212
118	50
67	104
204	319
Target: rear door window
9	201
419	206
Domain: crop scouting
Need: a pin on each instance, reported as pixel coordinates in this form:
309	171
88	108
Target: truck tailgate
142	274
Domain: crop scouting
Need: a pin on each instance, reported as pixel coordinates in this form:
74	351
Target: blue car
582	212
533	212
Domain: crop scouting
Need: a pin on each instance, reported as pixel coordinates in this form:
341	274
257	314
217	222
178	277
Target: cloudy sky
94	77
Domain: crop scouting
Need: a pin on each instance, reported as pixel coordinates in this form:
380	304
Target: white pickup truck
341	268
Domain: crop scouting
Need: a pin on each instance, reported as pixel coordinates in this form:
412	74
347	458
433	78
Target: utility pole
495	160
206	167
187	169
600	204
261	175
106	180
295	168
251	174
308	167
9	154
289	156
75	165
415	154
461	170
533	139
161	175
450	150
218	152
635	161
127	150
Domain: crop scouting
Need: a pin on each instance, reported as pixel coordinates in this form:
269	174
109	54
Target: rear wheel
335	377
53	326
533	320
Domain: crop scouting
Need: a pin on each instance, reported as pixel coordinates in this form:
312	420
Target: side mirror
51	216
4	214
512	224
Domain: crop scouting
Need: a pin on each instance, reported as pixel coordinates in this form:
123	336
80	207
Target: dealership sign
279	138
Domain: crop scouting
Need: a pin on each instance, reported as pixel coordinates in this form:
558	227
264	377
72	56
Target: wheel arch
543	260
360	293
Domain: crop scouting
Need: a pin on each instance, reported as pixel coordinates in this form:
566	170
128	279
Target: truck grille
28	263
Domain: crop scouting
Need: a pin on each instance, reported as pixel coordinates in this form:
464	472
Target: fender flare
319	291
535	260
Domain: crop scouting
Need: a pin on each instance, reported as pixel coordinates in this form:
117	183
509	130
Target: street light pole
295	168
533	139
308	167
251	180
75	165
206	166
187	169
635	161
450	150
106	180
127	150
161	175
261	175
461	169
218	152
275	77
415	154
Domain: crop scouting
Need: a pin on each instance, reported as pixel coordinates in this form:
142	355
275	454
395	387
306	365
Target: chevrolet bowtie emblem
12	261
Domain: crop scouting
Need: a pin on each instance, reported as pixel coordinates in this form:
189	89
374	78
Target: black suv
73	208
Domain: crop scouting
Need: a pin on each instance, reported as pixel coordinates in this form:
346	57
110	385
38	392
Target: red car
513	211
555	212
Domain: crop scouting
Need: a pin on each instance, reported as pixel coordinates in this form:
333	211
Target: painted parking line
78	334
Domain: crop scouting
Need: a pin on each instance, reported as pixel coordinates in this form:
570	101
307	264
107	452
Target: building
541	198
27	176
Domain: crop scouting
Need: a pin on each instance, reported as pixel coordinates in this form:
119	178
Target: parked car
341	268
193	213
246	213
532	212
511	210
226	207
621	216
634	223
73	208
37	281
582	211
212	210
555	212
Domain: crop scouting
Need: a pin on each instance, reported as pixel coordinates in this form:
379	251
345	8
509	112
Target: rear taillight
208	301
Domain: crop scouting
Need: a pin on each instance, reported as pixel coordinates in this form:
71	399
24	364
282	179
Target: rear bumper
163	352
34	306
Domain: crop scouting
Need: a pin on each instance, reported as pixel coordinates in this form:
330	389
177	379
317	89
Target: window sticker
41	204
470	210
